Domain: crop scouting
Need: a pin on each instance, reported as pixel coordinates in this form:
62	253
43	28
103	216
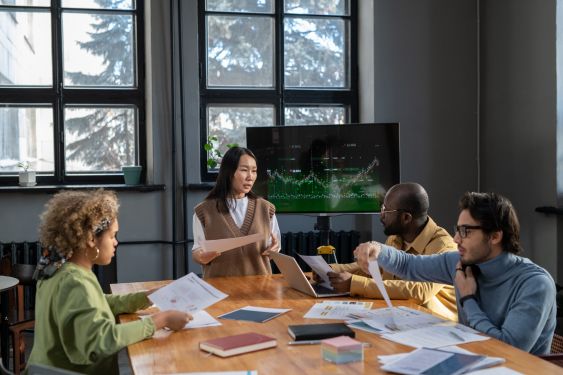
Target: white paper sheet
189	294
319	266
400	318
336	309
417	362
202	319
376	276
487	362
230	243
435	336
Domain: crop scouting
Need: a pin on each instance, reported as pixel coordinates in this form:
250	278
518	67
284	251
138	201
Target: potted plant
26	176
214	156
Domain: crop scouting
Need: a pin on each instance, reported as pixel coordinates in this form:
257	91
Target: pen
304	342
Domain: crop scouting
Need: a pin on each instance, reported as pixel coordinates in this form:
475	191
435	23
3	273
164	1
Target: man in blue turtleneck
498	292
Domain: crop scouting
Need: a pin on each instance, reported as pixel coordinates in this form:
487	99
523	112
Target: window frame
58	96
278	96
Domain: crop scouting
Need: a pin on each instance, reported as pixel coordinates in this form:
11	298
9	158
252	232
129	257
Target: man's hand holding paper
366	252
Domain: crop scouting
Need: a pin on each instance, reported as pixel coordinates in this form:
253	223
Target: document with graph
188	293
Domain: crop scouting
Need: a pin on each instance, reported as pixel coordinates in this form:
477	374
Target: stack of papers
436	336
337	309
394	319
414	328
433	361
190	294
485	362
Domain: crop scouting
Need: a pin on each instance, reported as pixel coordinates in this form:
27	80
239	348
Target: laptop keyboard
323	290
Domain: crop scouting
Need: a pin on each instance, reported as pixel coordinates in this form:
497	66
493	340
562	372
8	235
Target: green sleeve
87	326
127	303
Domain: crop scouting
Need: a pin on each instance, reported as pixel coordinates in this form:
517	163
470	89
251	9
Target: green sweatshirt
75	325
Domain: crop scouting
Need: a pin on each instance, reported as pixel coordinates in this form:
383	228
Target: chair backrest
557	344
3	370
24	273
37	369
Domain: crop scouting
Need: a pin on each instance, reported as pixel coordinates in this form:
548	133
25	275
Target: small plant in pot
214	155
26	176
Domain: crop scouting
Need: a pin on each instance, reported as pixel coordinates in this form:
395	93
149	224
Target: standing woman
75	325
232	210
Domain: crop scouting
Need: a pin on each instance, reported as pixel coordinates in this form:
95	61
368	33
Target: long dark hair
223	185
494	213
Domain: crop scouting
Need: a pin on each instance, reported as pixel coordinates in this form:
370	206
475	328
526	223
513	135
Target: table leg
4	329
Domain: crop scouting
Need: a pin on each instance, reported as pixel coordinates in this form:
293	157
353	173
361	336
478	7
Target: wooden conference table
176	352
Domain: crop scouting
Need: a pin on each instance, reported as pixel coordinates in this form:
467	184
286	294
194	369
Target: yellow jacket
438	298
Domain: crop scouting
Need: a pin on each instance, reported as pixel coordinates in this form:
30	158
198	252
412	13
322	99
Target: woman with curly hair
75	325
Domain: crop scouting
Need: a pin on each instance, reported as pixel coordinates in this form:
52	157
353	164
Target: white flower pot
27	178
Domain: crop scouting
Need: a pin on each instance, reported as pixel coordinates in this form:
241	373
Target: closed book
319	331
237	344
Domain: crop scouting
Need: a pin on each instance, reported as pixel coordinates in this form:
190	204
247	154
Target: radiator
20	253
306	243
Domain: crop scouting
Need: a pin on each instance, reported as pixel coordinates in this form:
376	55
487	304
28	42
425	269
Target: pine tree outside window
274	63
71	89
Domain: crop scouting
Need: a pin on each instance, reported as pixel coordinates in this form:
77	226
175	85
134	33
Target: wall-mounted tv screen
326	168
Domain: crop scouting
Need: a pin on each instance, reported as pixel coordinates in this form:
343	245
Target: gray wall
419	67
426	78
518	126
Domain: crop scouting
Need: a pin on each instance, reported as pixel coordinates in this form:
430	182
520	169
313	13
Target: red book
238	344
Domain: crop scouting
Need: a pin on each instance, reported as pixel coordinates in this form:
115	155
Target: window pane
240	51
253	6
315	115
98	50
98	4
34	3
25	49
229	123
26	134
315	53
100	139
319	7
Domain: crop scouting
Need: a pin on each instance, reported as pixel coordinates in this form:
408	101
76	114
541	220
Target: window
71	89
274	63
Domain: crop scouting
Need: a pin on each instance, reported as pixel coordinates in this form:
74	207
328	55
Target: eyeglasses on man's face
384	210
464	230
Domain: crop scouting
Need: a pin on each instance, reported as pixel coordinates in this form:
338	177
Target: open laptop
297	279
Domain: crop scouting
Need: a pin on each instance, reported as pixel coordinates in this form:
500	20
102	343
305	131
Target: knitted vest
242	261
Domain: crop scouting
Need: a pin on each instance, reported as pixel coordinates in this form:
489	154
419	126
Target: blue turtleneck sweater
515	298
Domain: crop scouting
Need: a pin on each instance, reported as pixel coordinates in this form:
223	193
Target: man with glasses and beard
404	216
498	292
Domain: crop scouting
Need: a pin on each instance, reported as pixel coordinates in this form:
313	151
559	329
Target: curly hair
72	218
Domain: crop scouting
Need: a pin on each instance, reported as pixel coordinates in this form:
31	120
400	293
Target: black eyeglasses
385	211
463	230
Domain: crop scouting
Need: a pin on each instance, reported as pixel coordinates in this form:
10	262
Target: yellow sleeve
421	292
352	268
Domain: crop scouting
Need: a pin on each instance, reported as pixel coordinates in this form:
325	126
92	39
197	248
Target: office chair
3	370
556	355
21	320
